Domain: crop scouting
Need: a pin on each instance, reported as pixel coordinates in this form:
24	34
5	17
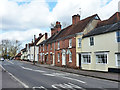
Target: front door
80	60
63	59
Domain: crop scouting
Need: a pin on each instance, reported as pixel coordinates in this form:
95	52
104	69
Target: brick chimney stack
46	36
25	45
56	29
32	40
75	19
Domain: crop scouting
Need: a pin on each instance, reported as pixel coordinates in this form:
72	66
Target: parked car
1	59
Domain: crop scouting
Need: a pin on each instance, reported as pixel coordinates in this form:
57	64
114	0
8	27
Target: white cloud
23	36
20	21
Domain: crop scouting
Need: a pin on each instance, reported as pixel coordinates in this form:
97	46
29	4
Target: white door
53	60
63	59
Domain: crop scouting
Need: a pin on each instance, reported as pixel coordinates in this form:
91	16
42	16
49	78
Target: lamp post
34	50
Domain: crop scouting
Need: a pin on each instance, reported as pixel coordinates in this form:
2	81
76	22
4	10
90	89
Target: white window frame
70	43
89	54
58	57
70	57
58	45
116	58
90	41
117	36
101	54
79	42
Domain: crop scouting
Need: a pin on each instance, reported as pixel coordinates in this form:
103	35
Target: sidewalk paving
7	82
96	74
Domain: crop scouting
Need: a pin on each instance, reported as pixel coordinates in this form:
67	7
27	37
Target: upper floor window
86	58
91	41
58	45
118	59
70	43
118	36
79	42
101	58
51	46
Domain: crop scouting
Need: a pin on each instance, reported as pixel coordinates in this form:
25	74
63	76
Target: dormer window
96	17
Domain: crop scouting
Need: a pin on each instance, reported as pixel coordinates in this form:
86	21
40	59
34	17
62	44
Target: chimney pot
75	19
40	35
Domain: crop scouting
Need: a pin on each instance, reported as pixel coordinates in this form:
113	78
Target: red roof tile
73	29
113	19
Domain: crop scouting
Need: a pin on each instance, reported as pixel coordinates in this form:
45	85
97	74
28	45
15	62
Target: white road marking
10	62
74	79
41	87
26	86
66	86
32	69
49	74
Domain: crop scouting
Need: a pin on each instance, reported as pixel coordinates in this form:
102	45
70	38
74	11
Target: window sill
86	63
69	47
58	48
102	63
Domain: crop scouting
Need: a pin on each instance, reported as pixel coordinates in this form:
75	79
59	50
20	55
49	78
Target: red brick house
60	48
18	56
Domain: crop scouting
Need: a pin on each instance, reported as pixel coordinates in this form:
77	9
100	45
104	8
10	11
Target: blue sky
21	20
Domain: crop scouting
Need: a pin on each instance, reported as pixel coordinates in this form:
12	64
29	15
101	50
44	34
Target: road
34	77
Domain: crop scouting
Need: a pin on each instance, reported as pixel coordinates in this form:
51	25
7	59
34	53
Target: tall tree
10	48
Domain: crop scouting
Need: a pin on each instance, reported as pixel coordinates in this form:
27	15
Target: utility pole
34	50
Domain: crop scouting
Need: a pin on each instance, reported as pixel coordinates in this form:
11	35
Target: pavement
96	74
7	82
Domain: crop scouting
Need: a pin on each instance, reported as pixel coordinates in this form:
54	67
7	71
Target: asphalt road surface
34	77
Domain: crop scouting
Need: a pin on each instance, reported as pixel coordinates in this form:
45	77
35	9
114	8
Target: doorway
80	61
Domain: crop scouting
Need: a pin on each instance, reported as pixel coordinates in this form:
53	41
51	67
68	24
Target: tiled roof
18	55
113	19
104	29
24	49
72	29
36	41
109	25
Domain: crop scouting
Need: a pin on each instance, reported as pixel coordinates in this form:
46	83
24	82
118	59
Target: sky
22	19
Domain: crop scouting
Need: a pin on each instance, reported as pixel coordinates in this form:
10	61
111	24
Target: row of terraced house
88	44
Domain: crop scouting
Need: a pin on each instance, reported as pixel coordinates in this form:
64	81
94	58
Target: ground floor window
70	57
118	59
46	57
101	58
86	58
